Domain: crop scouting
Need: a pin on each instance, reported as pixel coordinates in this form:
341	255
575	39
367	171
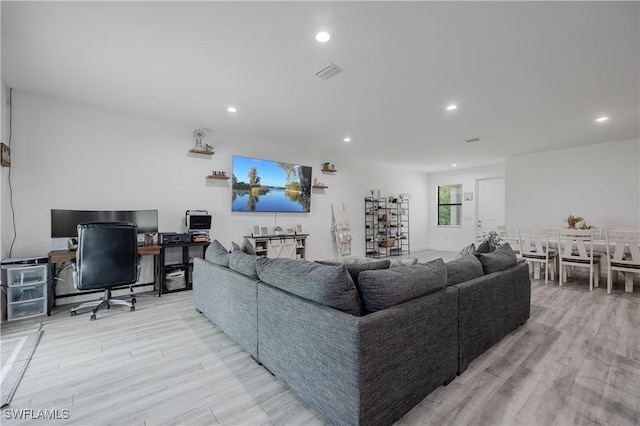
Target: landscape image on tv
270	186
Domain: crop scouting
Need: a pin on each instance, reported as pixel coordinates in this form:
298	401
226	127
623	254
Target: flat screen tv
270	186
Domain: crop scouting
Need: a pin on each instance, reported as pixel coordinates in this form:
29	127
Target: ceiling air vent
472	140
328	71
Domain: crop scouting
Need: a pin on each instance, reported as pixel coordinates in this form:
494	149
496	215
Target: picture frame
256	231
264	231
5	158
468	196
291	231
299	229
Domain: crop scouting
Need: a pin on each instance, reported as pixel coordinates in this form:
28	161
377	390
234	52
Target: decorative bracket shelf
201	151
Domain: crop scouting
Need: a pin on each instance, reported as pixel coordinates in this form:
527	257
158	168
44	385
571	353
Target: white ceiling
527	76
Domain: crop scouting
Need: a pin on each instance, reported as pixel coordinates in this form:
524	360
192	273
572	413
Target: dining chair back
534	248
576	250
623	255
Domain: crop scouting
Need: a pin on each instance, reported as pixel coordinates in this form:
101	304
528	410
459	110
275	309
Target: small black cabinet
175	266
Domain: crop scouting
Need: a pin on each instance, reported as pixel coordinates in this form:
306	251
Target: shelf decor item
6	155
198	135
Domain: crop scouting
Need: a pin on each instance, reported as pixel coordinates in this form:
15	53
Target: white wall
599	182
454	238
71	156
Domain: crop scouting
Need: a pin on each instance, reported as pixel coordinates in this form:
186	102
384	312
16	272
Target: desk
62	256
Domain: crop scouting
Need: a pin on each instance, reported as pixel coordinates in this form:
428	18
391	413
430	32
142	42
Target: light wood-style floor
575	362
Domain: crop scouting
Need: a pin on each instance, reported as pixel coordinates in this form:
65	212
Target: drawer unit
27	275
27	289
21	310
27	292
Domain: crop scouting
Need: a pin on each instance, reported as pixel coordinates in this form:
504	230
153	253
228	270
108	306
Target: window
450	205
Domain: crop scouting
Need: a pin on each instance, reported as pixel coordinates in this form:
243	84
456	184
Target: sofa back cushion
389	287
243	263
502	258
328	285
216	253
463	269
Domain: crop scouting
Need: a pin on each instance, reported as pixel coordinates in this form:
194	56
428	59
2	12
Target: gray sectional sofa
360	344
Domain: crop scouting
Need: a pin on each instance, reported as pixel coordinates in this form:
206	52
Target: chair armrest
74	272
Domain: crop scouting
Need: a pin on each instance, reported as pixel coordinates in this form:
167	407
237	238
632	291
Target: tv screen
270	186
65	222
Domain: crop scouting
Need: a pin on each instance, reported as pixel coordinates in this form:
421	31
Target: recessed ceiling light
600	119
454	165
451	107
232	109
347	139
323	37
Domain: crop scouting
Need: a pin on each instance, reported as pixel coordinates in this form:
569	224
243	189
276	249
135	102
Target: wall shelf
218	177
328	170
320	187
201	151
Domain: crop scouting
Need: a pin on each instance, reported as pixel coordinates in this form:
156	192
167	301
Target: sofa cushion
389	287
243	263
463	269
354	269
329	285
502	258
216	253
246	246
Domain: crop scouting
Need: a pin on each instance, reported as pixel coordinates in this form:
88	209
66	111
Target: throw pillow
467	250
246	246
463	269
217	253
484	247
502	258
389	287
404	261
243	263
354	269
327	285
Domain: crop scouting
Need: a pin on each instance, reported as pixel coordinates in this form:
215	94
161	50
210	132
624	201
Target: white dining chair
623	255
576	250
534	248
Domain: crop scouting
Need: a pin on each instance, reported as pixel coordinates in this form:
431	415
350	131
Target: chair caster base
133	308
93	317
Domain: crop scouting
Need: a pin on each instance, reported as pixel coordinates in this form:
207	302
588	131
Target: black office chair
107	257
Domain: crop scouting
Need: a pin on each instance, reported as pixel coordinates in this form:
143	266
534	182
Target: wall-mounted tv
270	186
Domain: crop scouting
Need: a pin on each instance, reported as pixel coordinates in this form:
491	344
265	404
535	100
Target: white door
490	204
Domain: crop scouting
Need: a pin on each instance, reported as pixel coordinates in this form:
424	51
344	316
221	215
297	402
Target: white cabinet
283	246
27	290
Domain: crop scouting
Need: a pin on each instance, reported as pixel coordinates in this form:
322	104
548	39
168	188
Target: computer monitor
64	223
